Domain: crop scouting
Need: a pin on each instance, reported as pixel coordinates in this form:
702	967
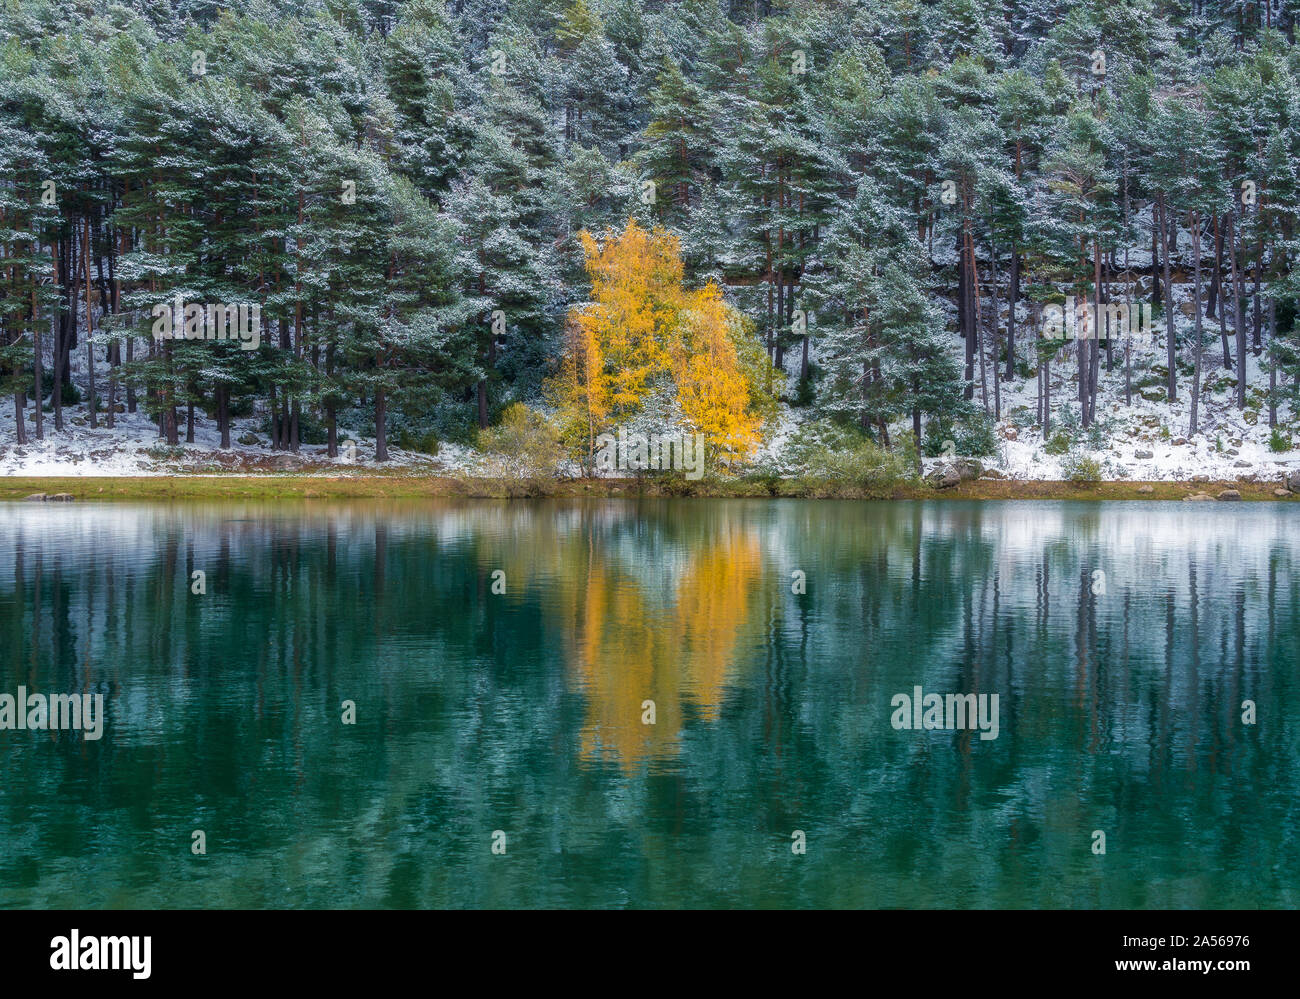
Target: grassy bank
291	487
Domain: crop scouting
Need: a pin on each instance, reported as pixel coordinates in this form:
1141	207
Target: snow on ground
1230	443
133	448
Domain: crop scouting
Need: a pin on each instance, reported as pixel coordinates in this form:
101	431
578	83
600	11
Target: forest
558	216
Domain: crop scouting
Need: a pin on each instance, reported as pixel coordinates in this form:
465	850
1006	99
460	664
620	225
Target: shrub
421	442
1022	418
1278	441
805	390
524	446
1100	434
1058	443
862	463
980	439
1081	468
973	435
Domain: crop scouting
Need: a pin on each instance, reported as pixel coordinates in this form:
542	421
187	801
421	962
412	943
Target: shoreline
405	487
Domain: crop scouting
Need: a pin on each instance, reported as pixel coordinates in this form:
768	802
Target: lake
664	703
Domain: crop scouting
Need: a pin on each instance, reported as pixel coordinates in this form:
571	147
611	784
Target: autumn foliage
643	336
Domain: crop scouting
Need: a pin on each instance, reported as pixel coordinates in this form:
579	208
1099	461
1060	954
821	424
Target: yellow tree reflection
632	648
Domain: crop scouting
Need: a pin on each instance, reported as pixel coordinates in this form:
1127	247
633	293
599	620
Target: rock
1229	494
1248	477
1235	441
1200	478
35	498
248	440
993	473
1241	464
1232	452
1011	434
61	498
1293	480
944	477
1281	493
1179	441
1146	489
1251	416
968	469
1198	498
1143	455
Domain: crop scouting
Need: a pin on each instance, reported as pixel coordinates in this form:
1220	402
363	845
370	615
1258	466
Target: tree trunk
1218	280
1014	294
1098	319
130	385
1259	266
963	312
1272	360
57	336
916	425
1171	346
1198	346
223	415
1156	296
997	341
90	347
1238	314
381	429
38	366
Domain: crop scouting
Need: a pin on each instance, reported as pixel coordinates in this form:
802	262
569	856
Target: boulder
1241	464
1293	480
1229	494
968	469
1200	478
36	498
61	498
1281	493
944	477
1146	489
1198	498
1179	441
1143	455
